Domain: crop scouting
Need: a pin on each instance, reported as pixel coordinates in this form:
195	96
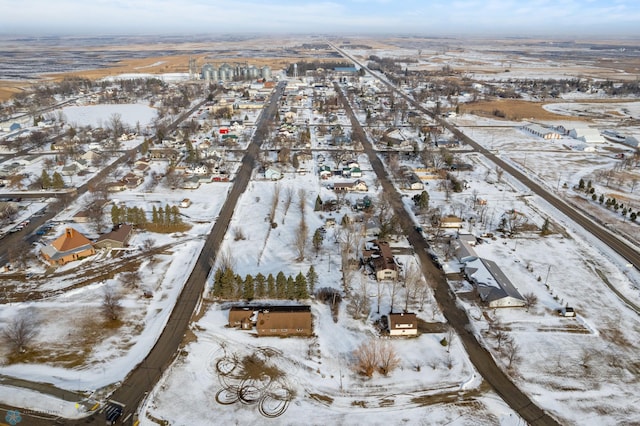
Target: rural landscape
320	230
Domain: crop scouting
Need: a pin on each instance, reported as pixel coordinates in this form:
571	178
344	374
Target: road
142	379
456	316
12	240
628	251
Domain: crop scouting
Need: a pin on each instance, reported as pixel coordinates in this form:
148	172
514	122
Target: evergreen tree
228	284
581	184
154	215
217	283
160	218
291	288
312	279
115	214
46	179
281	285
249	290
175	215
166	220
271	287
316	241
57	182
261	290
301	287
318	206
238	287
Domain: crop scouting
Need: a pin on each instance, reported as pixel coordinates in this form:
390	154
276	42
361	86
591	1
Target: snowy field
318	370
99	115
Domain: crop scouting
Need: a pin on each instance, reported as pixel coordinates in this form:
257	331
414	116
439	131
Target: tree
248	291
530	300
316	241
291	288
366	358
45	180
260	286
545	227
271	287
387	358
131	279
57	181
281	285
512	351
111	306
300	239
312	279
301	291
412	282
20	332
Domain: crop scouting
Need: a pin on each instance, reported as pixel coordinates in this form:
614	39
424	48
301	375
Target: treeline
228	285
304	66
167	219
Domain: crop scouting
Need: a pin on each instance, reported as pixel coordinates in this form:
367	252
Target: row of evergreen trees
231	286
167	216
54	181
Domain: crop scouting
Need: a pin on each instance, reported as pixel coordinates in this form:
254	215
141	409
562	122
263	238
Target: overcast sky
427	17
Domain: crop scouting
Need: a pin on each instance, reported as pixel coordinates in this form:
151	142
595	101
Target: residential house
70	246
272	173
242	317
356	186
494	288
451	222
378	255
185	203
463	246
118	238
403	324
283	321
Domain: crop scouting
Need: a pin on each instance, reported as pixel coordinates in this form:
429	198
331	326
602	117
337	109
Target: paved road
147	373
628	251
455	315
11	240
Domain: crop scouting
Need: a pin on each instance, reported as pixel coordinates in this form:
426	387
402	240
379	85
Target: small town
342	229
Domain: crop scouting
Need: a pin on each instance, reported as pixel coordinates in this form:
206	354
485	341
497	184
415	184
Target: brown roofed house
240	316
403	324
284	321
70	246
118	238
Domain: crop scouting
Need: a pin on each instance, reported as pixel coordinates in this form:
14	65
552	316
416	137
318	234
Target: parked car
567	312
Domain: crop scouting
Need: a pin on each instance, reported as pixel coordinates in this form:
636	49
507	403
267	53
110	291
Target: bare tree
288	199
274	202
300	239
20	332
499	173
530	300
111	306
387	358
359	304
393	288
412	281
302	199
131	279
148	244
366	358
500	336
512	351
226	262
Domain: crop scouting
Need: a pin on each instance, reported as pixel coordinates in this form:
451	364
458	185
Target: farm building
587	135
542	132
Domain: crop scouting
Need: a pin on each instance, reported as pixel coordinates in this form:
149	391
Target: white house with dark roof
494	288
